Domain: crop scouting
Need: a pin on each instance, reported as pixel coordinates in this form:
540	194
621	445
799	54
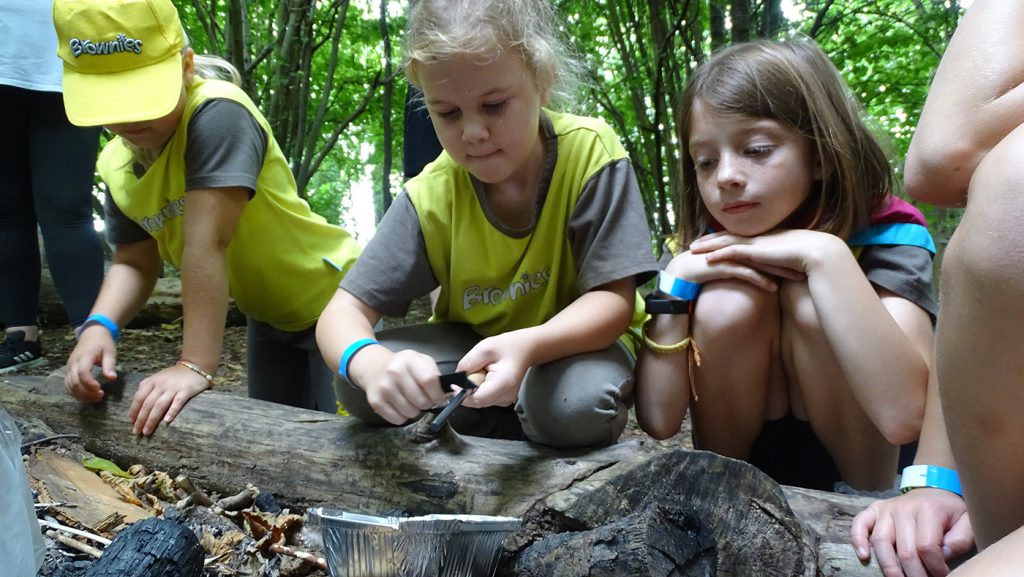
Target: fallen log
307	459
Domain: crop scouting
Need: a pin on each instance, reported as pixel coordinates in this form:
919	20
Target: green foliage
642	52
325	199
887	50
326	107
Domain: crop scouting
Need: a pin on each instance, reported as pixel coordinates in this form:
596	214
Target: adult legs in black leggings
46	175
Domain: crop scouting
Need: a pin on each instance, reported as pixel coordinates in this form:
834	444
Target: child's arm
591	323
211	218
920	530
663	380
878	337
126	286
975	100
398	386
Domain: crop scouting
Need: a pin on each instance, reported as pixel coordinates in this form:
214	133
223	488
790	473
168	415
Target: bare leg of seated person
980	339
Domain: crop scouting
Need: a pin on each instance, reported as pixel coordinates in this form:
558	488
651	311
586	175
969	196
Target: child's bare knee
734	306
798	307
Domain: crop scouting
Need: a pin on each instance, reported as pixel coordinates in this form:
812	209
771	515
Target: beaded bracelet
197	370
663	349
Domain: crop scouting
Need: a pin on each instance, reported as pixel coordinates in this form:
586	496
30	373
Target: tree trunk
716	24
740	14
772	19
385	113
631	491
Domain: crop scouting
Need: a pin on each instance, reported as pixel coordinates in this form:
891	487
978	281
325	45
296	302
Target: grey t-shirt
225	149
902	269
608	233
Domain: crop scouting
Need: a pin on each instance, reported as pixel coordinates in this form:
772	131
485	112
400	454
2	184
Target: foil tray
429	546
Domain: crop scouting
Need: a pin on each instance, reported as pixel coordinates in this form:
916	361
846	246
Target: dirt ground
148	350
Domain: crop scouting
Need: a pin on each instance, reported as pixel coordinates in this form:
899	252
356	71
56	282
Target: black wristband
661	306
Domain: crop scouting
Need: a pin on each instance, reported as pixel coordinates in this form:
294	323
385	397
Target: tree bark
307	458
660	540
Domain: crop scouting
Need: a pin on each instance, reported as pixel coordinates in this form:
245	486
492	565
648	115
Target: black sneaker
17	353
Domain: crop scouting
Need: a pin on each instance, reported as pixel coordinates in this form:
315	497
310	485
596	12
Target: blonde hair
794	83
440	29
210	66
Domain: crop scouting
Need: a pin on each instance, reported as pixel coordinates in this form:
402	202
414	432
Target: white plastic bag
21	542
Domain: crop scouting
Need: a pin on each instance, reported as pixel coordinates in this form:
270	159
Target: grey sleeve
904	270
225	148
393	269
120	228
608	230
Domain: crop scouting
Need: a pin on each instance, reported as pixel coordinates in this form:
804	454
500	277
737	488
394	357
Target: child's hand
503	359
697	268
162	396
95	347
407	386
790	254
913	534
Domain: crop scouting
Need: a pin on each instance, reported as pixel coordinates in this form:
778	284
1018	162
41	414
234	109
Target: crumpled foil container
429	546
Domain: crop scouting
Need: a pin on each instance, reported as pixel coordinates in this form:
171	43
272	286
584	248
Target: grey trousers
578	401
287	367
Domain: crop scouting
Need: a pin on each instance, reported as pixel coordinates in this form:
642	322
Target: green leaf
96	464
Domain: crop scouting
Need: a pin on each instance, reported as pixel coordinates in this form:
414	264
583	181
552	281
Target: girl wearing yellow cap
196	179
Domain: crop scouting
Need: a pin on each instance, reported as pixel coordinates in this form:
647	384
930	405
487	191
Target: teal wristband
677	287
920	476
346	357
97	319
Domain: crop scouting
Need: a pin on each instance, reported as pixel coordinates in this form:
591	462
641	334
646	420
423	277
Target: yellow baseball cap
122	59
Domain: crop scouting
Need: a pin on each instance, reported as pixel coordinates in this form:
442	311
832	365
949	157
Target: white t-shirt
28	46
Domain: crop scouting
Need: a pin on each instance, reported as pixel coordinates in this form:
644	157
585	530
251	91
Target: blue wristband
677	287
919	476
350	352
97	319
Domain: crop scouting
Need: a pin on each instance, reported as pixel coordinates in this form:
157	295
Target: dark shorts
789	452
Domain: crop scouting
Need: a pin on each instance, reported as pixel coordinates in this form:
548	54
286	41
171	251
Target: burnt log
151	548
661	541
305	458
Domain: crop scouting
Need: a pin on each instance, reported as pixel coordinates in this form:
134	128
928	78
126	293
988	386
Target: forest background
327	74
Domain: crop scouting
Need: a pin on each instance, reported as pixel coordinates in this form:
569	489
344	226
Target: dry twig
76	545
291	552
65	529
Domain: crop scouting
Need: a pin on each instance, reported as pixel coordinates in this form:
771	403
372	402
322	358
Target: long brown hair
795	83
